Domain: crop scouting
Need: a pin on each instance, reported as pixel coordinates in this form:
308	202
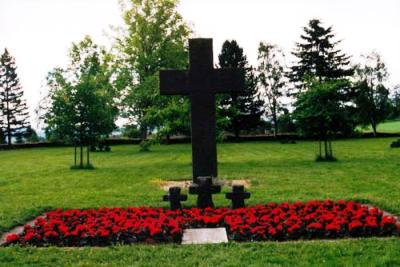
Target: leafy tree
272	79
81	106
395	103
14	119
320	112
242	111
372	97
154	38
318	56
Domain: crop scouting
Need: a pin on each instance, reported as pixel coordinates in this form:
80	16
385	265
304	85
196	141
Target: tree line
321	95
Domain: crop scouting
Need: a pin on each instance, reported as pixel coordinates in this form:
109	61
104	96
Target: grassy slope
33	180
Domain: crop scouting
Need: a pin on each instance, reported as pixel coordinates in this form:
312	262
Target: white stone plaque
204	236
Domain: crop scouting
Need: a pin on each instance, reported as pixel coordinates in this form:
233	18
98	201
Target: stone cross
204	188
238	195
201	82
174	197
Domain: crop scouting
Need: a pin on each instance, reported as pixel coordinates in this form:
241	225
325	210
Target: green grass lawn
385	127
34	180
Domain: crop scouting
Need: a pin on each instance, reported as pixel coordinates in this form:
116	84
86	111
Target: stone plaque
204	236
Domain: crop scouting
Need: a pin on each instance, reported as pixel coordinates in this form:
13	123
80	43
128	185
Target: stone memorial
204	188
175	197
204	236
238	195
201	82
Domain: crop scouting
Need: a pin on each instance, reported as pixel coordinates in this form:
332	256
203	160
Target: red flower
314	226
12	238
355	225
333	227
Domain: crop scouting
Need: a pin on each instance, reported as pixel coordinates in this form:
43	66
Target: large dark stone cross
201	82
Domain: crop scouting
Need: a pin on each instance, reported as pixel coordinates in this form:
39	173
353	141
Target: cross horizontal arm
173	82
228	80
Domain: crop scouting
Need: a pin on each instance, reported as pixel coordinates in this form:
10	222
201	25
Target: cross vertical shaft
204	152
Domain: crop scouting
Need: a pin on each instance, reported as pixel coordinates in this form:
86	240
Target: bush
395	144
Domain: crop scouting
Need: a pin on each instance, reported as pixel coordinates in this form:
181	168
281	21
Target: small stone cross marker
174	197
238	195
201	82
204	188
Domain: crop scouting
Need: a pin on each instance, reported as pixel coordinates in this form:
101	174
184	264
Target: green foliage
31	135
130	131
80	105
321	111
145	145
272	78
371	95
238	112
318	56
395	103
14	114
154	38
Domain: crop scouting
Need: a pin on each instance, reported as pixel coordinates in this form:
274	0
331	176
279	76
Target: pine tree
318	56
243	111
14	109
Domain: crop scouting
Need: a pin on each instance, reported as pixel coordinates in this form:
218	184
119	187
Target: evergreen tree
15	115
318	56
244	110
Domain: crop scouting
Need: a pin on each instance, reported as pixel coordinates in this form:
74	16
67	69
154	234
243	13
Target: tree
15	115
81	98
395	103
372	97
242	111
154	38
320	112
272	79
318	56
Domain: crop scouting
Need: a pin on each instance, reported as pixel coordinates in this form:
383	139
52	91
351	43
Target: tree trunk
373	125
320	148
8	120
81	159
143	131
235	123
275	119
75	154
87	156
326	147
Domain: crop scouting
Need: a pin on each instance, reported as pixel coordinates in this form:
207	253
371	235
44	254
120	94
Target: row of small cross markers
204	189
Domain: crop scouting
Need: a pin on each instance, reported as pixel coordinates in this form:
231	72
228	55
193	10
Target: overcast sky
38	33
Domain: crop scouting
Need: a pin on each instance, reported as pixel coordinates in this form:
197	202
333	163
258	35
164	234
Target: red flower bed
285	221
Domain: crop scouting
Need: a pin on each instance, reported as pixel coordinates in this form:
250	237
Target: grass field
385	127
35	180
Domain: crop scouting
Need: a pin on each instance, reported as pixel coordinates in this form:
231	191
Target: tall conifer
15	115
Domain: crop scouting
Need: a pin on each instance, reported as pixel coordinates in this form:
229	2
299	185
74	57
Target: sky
38	33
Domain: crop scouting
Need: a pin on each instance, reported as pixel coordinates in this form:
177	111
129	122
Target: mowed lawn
385	127
35	180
